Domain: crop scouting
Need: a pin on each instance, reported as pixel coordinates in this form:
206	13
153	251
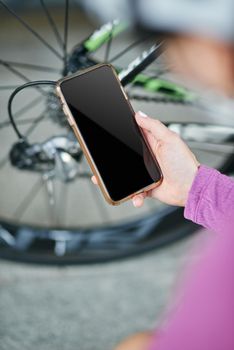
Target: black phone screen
107	124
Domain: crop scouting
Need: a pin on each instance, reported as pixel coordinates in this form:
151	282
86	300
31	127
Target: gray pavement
85	307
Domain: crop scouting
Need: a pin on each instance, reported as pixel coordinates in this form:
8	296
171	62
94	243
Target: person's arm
210	201
207	195
204	317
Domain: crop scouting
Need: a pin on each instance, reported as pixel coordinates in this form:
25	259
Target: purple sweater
203	319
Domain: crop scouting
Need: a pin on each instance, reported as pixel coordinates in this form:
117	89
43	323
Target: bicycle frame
133	74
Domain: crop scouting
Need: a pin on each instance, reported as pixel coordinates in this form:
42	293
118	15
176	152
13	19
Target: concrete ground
85	307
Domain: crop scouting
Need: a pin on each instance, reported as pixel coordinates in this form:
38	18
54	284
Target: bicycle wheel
50	212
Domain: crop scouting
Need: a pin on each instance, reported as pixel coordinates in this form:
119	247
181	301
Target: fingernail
135	202
142	114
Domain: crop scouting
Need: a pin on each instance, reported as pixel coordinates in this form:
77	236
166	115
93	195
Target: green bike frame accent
104	34
152	84
164	87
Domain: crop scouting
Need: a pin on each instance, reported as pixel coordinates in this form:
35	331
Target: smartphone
103	120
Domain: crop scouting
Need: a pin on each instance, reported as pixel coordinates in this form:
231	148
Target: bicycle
58	160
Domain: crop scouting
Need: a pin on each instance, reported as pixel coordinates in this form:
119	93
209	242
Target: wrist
199	186
188	185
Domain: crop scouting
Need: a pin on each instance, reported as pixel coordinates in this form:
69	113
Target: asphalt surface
85	307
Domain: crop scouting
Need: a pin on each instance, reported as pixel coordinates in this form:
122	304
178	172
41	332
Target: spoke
8	123
104	214
65	38
8	87
19	74
22	110
36	122
85	175
28	106
50	198
27	121
14	71
4	161
35	67
49	182
129	47
108	46
212	147
28	199
52	23
31	30
62	209
57	206
20	122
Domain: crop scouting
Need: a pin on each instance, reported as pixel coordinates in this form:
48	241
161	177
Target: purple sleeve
203	315
211	200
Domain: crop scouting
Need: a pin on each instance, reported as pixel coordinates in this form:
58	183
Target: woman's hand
177	162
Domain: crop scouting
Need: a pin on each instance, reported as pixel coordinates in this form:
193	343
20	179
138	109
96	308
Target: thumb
158	129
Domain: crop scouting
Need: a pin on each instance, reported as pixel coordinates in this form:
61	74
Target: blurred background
72	273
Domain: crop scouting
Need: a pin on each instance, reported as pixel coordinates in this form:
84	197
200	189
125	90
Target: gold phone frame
83	145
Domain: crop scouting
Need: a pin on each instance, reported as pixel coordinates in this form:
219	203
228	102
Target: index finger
158	129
